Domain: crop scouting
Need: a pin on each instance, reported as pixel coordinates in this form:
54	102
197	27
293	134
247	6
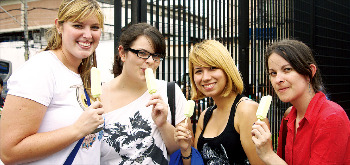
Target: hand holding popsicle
96	89
189	108
151	81
263	108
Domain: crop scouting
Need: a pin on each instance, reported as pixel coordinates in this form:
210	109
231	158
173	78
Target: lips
208	86
282	89
85	44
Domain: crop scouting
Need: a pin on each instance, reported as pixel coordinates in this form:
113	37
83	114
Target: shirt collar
312	109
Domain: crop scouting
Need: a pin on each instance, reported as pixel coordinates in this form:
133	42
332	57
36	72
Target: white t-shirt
130	135
46	80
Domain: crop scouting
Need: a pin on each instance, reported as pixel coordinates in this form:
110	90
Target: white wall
14	52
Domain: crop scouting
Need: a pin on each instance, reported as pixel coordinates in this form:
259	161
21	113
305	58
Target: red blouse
323	136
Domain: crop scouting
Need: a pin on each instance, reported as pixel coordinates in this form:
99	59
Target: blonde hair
76	10
211	53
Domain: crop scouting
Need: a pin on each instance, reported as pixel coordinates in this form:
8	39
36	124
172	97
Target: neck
225	103
68	60
302	103
124	82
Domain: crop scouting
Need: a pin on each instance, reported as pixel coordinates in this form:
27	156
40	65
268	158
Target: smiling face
81	38
135	66
289	85
211	81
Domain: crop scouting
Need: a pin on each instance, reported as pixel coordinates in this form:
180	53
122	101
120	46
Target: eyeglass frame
161	57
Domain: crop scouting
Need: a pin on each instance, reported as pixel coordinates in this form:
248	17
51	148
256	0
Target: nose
150	59
87	33
279	78
206	76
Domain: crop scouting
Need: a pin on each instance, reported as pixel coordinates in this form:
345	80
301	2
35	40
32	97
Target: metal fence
324	26
244	27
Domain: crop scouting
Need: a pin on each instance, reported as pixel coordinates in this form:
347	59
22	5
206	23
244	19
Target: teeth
84	43
208	86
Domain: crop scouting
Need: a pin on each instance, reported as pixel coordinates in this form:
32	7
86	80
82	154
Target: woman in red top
318	129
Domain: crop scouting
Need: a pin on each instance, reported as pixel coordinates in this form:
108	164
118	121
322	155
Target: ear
313	69
58	26
122	53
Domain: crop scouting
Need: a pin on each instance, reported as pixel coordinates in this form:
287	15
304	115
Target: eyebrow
283	66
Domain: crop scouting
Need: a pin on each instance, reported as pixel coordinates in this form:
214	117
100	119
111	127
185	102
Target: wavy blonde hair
76	10
211	53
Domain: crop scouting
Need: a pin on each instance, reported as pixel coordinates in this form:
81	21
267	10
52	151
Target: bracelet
188	157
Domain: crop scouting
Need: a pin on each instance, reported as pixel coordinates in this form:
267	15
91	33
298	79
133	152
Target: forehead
93	19
200	64
276	60
143	42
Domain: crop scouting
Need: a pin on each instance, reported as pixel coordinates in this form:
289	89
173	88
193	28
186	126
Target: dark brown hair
299	56
130	34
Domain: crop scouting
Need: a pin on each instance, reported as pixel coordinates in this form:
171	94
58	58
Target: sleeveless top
225	148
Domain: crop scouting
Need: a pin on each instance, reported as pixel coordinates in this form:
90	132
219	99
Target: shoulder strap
75	150
171	100
238	100
207	116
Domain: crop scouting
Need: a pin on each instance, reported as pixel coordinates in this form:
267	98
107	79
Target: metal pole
134	11
243	42
117	24
26	48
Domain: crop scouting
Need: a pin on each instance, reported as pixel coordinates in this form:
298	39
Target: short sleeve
33	80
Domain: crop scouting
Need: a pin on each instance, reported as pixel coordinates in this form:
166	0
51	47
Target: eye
77	26
288	69
143	53
197	71
213	68
272	74
95	28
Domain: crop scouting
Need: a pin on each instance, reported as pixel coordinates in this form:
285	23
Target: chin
284	99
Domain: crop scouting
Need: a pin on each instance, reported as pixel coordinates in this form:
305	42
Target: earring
309	88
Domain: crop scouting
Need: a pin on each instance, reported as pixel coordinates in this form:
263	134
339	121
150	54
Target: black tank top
225	148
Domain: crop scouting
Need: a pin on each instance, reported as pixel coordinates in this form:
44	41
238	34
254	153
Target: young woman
223	132
45	113
138	126
318	130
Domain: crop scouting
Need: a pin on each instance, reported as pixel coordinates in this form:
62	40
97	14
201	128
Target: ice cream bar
151	81
189	108
264	106
96	89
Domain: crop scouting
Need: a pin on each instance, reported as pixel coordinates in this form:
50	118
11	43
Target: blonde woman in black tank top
223	135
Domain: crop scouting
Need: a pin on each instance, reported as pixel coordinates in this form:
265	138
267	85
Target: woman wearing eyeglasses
138	126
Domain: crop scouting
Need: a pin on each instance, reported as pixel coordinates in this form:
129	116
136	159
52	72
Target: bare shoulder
246	107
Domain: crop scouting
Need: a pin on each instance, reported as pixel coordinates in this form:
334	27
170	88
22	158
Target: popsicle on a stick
263	108
96	89
151	81
189	108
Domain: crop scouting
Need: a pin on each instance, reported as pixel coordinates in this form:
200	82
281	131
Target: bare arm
159	116
244	119
20	122
262	140
184	139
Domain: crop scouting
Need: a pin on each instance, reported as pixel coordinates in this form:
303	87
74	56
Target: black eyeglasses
145	55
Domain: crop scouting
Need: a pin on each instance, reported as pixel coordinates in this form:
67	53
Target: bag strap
284	131
171	100
75	150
